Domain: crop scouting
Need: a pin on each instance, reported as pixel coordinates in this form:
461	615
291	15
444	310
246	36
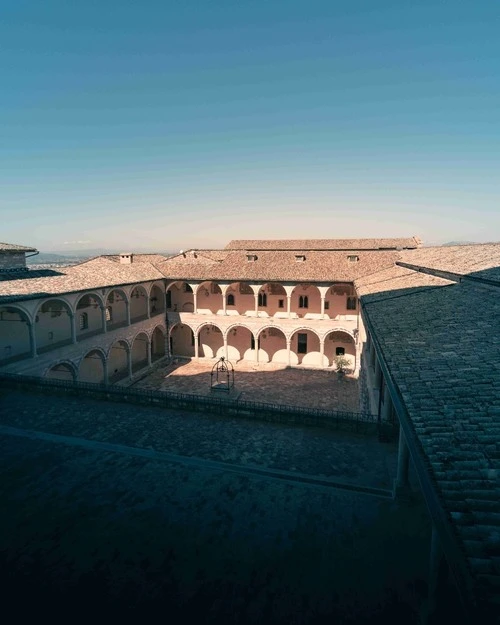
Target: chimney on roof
126	258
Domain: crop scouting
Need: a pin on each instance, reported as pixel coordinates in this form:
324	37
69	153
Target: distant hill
458	243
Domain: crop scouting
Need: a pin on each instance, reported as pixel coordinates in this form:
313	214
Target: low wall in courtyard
225	406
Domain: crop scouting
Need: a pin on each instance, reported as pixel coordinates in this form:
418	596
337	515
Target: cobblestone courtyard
272	383
87	530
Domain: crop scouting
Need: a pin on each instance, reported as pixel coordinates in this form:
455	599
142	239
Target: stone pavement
99	533
271	383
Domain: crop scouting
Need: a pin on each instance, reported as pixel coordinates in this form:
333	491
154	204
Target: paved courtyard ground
271	382
111	508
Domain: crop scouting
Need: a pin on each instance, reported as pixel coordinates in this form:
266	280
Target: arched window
109	313
230	299
351	303
303	301
84	321
262	299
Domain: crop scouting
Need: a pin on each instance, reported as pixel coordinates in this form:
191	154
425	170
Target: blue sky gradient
161	125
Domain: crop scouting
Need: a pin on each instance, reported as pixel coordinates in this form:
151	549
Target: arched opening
92	367
88	316
305	346
157	344
240	344
62	371
138	304
180	297
116	309
306	301
156	301
182	341
139	353
272	345
15	343
52	325
210	342
272	300
118	362
209	299
340	343
240	299
342	302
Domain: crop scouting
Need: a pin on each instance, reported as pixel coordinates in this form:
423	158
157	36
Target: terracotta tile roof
481	260
92	274
441	344
318	266
12	247
396	280
323	244
138	258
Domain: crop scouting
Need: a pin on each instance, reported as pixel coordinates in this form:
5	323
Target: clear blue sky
161	124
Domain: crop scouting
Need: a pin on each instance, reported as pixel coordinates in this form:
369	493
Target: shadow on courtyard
266	383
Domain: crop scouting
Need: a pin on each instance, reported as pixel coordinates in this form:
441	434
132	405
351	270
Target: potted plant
342	364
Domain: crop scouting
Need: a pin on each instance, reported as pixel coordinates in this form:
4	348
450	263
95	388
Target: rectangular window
353	259
327	305
302	343
351	303
339	351
109	313
251	258
281	303
300	258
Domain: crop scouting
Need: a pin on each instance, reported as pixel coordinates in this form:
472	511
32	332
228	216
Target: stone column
197	346
31	330
224	304
127	304
149	306
106	374
322	350
256	295
256	342
129	361
103	319
225	347
72	320
150	348
322	306
288	349
195	301
401	485
288	305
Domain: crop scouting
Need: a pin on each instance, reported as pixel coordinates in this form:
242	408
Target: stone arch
209	298
118	361
180	296
93	367
139	303
306	350
62	370
89	319
53	324
182	337
306	300
157	342
240	343
243	298
139	352
272	342
17	339
156	299
210	340
272	300
117	309
340	342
